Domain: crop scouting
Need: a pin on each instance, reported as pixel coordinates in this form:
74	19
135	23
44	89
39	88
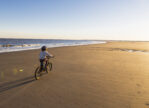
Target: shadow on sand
17	83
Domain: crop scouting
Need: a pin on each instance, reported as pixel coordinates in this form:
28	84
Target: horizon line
80	39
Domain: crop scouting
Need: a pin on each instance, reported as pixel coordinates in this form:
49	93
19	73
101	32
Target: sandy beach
111	75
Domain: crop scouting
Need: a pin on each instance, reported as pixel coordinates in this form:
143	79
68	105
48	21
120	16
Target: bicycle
47	67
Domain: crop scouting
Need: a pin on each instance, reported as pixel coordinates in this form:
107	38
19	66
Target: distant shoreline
11	45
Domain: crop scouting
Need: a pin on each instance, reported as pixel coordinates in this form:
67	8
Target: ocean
10	45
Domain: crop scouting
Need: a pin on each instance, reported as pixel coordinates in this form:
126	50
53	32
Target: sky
75	19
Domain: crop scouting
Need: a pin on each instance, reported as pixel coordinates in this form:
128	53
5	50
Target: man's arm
49	55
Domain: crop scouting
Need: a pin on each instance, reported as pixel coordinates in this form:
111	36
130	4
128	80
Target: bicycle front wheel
37	73
49	67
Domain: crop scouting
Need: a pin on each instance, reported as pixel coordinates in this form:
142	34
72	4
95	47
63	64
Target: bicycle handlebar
50	57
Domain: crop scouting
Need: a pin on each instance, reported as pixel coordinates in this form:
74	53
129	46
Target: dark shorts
42	61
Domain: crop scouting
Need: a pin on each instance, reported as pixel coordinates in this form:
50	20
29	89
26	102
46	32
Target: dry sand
91	76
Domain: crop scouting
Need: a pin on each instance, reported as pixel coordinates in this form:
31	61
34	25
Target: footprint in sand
147	104
138	85
139	92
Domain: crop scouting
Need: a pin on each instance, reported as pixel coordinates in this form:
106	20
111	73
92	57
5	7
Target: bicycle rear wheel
37	73
49	67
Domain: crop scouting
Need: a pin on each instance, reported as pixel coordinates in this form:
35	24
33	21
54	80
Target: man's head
43	48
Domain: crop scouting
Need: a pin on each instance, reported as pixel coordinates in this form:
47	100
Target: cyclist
44	55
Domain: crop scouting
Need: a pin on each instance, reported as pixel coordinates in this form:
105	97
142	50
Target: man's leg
41	65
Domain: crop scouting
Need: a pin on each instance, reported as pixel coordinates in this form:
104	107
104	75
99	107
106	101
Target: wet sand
90	76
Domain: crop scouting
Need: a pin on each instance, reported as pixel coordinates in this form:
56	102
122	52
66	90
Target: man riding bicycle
44	55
